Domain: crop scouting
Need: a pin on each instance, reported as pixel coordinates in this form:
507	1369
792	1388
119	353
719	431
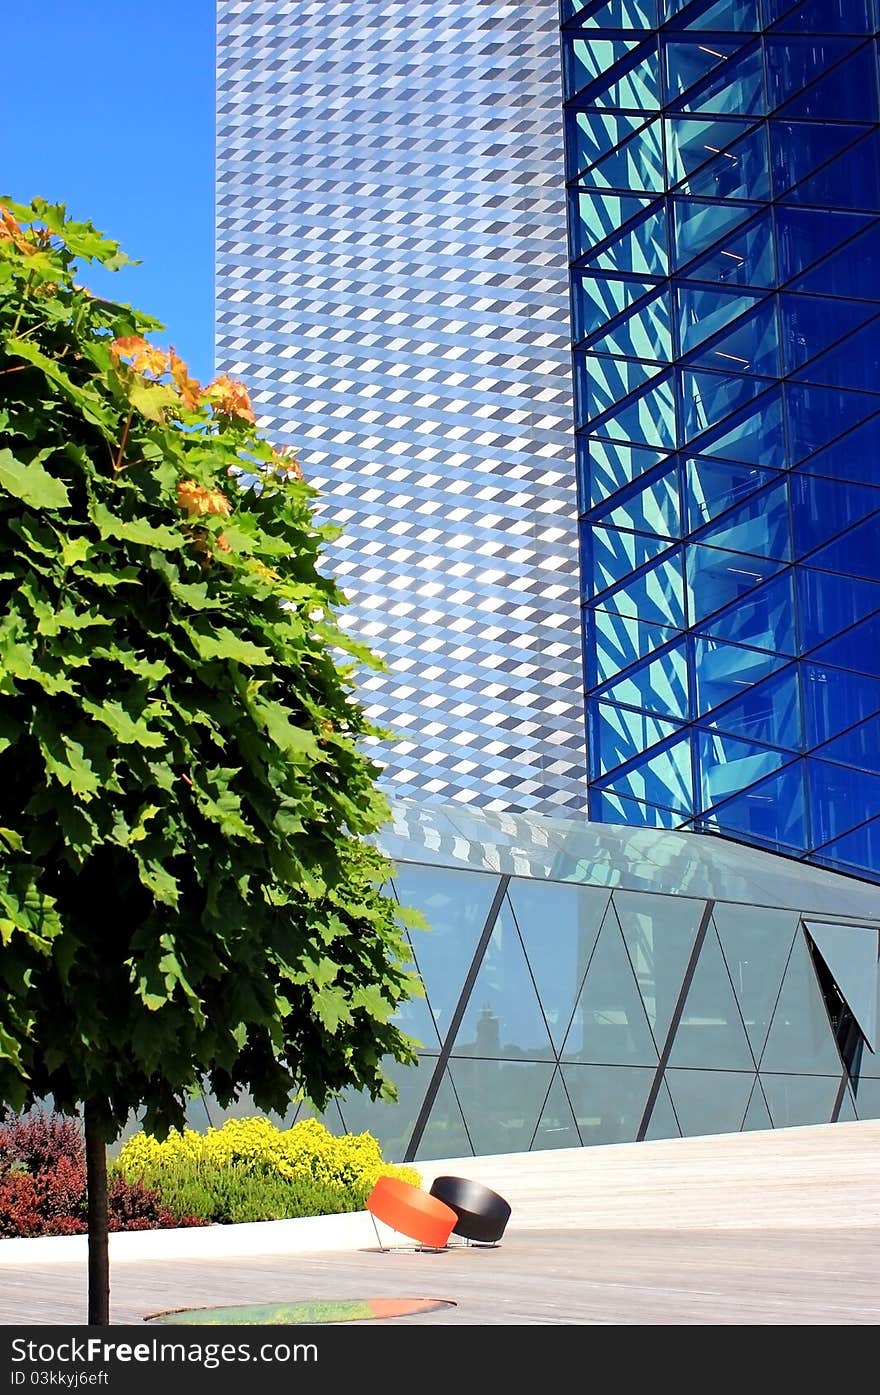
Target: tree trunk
99	1254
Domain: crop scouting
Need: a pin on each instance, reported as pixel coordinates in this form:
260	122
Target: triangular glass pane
822	508
709	1101
559	924
663	777
455	905
637	165
656	595
855	363
608	1101
763	619
648	419
609	807
609	1024
792	64
612	554
847	1113
724	16
699	226
759	527
501	1101
716	576
659	932
858	851
815	416
503	1017
445	1134
831	706
557	1127
619	733
850	181
644	333
713	486
641	248
751	346
849	90
687	63
710	1032
743	258
649	506
736	87
753	435
721	671
769	713
804	235
602	383
739	172
694	141
856	554
850	954
829	604
756	944
610	466
868	1099
634	85
859	747
663	1123
707	399
800	1037
854	456
798	149
660	685
757	1115
592	134
840	798
703	311
846	16
810	325
391	1123
596	217
770	813
619	641
589	58
728	765
794	1100
853	271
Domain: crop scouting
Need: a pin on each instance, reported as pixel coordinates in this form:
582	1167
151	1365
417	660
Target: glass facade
723	174
585	985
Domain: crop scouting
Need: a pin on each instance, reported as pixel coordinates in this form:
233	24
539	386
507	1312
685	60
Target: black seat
482	1214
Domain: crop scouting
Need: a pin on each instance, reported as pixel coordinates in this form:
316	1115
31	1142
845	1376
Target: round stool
413	1212
481	1214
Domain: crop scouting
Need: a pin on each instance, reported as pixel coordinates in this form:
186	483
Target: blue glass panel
728	765
597	298
764	619
597	216
750	346
828	604
849	90
758	527
712	487
693	141
655	595
810	325
660	685
637	164
707	399
711	1030
617	641
743	258
606	466
644	333
854	271
590	58
858	649
828	17
815	416
735	88
592	134
721	671
840	798
716	578
688	61
600	383
822	508
649	420
855	456
769	713
609	1022
735	16
704	310
615	14
502	1016
832	703
617	734
850	181
856	554
663	778
634	85
659	932
771	813
650	507
854	363
757	947
793	63
740	172
700	225
856	851
641	249
754	434
800	147
804	235
610	554
608	807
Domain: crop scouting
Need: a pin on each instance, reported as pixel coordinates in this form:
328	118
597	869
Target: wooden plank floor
757	1229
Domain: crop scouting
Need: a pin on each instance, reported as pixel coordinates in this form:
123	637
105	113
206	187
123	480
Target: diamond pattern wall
723	163
392	285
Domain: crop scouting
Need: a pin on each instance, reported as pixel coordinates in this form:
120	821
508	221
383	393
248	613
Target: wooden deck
761	1228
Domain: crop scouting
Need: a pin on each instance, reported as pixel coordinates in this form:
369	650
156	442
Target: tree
188	893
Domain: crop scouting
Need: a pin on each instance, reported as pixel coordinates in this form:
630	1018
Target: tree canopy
188	889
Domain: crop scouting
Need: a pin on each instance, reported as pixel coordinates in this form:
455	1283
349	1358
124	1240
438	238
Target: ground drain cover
300	1314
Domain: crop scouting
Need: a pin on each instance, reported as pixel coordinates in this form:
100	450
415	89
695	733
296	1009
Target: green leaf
65	759
88	401
31	483
331	1007
127	729
136	530
223	643
275	721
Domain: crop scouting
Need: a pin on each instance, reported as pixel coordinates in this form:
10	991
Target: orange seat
413	1212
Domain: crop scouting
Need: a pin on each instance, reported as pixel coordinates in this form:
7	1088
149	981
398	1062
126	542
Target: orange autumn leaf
188	387
11	231
144	357
230	398
196	499
286	460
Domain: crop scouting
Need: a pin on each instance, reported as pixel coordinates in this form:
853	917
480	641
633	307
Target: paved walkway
761	1228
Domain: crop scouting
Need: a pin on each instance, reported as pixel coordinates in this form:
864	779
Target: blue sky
109	108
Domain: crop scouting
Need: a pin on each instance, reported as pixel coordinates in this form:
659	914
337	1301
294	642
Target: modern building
575	322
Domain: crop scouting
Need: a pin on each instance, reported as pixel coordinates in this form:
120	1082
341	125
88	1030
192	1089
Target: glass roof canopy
635	859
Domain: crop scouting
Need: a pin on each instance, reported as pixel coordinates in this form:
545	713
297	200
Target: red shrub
37	1141
19	1209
